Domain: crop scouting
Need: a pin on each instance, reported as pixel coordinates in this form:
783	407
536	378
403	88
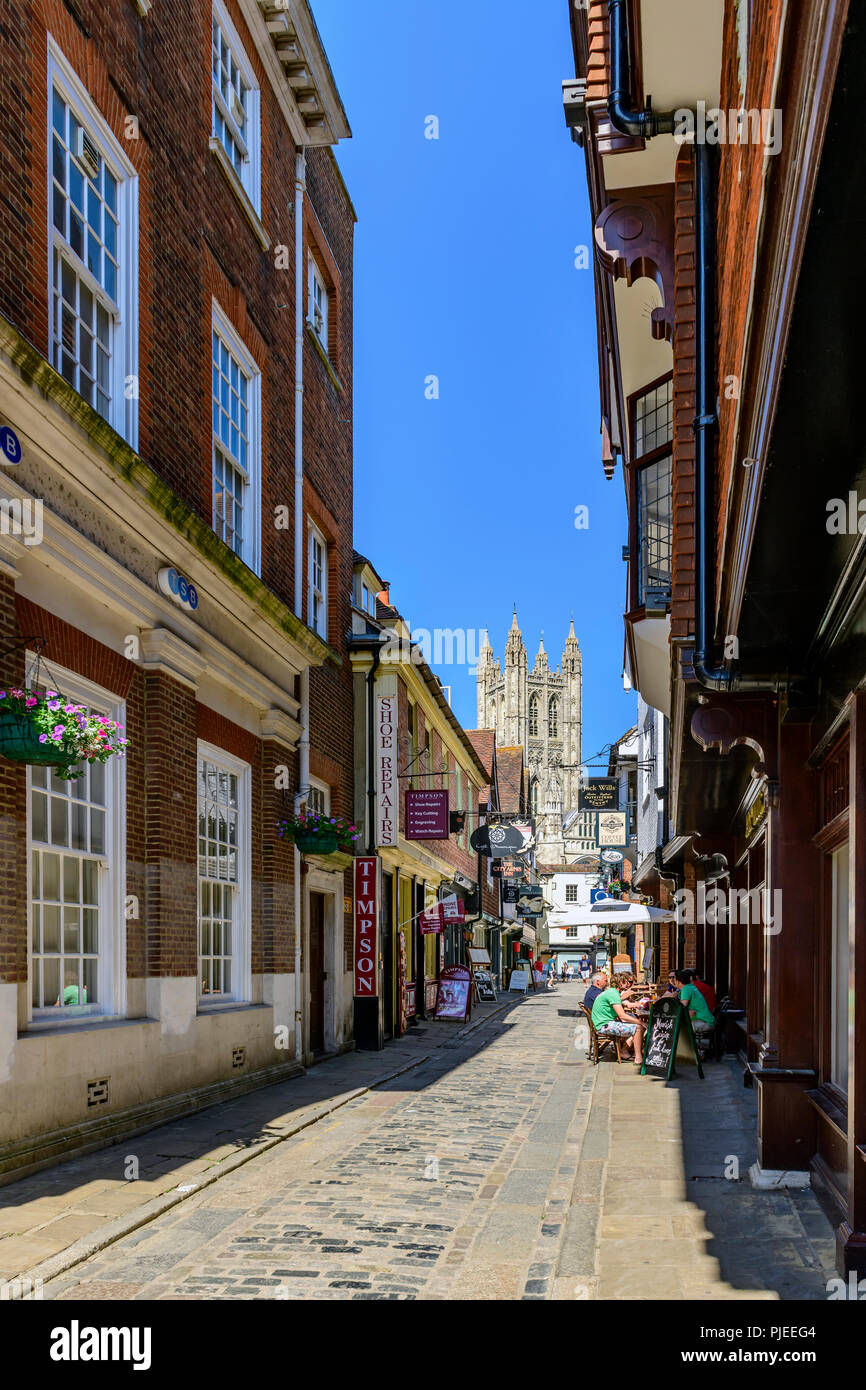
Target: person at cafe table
691	996
609	1017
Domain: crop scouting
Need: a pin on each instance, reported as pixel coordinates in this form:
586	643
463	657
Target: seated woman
609	1017
699	1010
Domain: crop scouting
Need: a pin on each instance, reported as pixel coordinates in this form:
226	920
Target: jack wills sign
366	924
387	795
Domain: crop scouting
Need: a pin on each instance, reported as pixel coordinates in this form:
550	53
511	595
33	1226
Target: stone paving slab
47	1214
494	1169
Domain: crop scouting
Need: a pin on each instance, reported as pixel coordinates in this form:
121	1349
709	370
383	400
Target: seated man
599	982
707	991
691	996
610	1018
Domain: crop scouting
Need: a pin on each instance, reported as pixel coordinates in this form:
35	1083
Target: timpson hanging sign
387	793
366	926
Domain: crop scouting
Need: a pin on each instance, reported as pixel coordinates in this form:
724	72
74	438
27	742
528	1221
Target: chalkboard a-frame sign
668	1021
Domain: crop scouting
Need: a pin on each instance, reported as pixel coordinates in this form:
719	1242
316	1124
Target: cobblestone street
503	1167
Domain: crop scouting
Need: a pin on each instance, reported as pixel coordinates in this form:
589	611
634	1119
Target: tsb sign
178	589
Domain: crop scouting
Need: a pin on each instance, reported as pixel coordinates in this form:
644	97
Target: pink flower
43	738
58	731
29	703
69	709
16	693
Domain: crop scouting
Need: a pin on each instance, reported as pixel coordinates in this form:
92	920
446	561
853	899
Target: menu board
454	997
484	989
669	1023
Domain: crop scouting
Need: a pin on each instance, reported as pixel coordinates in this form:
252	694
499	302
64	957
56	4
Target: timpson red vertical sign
366	927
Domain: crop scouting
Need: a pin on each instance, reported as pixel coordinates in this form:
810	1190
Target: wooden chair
599	1041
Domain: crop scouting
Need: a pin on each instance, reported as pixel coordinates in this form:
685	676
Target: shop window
223	876
77	852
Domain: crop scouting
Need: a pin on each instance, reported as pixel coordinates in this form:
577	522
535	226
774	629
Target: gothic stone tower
540	711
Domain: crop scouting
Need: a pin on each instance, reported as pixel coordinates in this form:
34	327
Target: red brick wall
194	242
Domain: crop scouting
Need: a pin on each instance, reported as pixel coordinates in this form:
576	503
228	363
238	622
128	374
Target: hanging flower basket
315	834
47	728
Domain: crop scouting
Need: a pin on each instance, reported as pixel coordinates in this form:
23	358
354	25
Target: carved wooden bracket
634	236
724	722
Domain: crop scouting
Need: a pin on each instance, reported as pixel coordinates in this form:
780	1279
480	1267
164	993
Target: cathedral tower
540	711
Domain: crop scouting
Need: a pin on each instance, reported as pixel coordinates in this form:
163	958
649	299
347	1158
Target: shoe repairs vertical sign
366	926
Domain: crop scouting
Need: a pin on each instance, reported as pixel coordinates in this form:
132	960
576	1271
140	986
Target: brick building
176	370
403	702
730	322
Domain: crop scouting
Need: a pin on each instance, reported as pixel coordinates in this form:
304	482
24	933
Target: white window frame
225	329
241	957
322	787
111	899
251	179
572	892
123	414
314	278
315	535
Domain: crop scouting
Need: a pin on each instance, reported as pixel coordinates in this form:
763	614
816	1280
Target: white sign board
478	956
611	828
519	981
387	785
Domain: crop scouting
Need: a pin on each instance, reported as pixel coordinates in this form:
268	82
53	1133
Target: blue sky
465	268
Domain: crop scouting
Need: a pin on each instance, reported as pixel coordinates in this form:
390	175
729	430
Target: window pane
50	981
50	928
39	809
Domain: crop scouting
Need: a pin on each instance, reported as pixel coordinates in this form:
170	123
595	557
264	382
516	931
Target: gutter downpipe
304	678
648	123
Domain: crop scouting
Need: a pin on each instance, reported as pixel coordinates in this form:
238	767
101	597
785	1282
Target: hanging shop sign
611	829
530	901
599	794
431	920
427	815
386	770
178	589
611	856
366	923
453	909
505	839
479	841
598	895
496	868
455	988
511	893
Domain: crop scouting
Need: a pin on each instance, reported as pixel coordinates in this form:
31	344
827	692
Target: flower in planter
310	823
64	728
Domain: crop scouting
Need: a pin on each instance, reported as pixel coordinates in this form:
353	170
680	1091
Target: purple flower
58	731
54	705
43	738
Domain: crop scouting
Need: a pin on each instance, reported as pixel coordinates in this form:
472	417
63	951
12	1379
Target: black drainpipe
648	123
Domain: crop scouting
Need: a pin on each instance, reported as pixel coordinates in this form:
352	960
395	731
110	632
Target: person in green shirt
609	1017
699	1009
